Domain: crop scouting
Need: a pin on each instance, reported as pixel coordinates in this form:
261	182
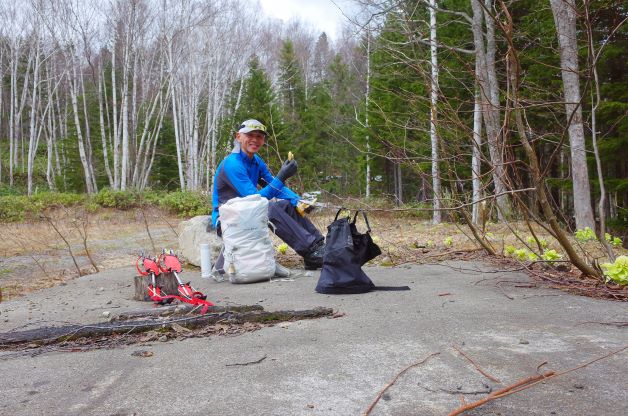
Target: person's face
251	142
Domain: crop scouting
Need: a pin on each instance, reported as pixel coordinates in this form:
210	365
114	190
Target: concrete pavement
330	366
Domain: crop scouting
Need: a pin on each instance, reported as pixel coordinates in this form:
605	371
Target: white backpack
248	250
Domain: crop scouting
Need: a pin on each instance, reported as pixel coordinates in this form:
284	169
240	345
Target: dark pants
296	231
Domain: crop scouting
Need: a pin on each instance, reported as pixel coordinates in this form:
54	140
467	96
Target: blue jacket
239	176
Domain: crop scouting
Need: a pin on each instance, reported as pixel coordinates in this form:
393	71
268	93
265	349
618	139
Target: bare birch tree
483	28
436	184
565	14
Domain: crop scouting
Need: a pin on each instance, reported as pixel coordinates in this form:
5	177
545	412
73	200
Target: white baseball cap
248	126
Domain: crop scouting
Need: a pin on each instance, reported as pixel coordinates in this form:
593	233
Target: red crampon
150	266
169	263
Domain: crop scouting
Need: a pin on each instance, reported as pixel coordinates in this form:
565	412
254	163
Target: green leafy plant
532	256
617	271
510	250
449	241
521	254
551	255
587	234
281	248
543	242
614	241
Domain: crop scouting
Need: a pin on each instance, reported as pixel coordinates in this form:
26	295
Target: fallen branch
49	335
182	309
381	393
528	382
477	367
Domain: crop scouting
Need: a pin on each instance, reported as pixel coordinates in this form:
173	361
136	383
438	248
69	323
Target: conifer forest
468	110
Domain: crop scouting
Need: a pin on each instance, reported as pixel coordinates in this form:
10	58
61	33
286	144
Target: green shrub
109	198
56	199
13	207
152	197
186	203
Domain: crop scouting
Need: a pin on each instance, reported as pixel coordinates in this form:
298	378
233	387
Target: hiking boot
313	259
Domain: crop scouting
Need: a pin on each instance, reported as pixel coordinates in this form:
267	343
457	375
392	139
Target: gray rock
192	234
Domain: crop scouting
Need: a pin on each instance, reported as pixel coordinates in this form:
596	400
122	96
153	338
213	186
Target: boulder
192	234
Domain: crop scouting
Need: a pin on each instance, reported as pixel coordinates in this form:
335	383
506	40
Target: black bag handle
366	220
339	211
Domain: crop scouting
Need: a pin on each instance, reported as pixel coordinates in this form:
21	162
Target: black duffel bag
346	251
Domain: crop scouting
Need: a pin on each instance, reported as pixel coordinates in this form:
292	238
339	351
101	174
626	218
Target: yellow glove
302	208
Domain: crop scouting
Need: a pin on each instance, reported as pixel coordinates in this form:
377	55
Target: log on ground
51	335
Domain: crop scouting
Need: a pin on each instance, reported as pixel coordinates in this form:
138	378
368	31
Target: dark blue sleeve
244	185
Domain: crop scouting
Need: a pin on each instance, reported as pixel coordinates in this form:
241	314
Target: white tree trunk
50	140
124	170
74	88
103	134
32	148
476	158
116	133
177	138
489	92
436	183
88	140
367	191
564	12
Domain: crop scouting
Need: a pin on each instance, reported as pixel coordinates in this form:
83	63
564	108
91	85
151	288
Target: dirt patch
33	255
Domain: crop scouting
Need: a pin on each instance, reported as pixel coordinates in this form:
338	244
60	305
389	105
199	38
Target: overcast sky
321	14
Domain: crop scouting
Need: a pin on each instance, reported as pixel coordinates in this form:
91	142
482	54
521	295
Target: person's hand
288	169
304	208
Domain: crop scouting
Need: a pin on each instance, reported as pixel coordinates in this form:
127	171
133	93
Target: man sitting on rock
240	174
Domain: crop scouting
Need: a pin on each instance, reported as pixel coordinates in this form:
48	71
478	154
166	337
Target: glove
288	169
304	208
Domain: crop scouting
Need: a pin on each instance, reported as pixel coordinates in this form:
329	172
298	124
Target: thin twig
247	363
617	323
477	367
67	243
387	386
501	393
503	291
529	382
152	243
